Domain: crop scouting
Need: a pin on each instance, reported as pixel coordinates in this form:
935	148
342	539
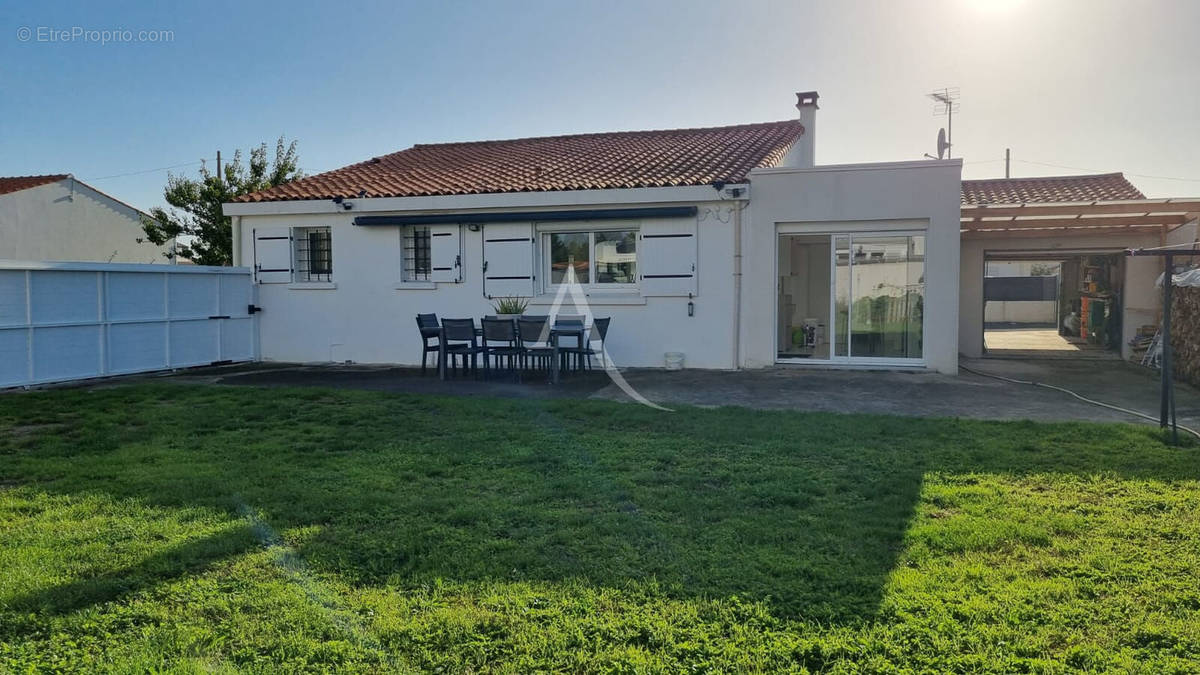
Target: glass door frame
831	320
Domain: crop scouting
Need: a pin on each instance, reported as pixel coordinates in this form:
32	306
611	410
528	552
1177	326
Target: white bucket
674	360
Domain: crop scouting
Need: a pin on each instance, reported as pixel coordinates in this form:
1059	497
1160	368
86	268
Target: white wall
365	318
1021	311
864	197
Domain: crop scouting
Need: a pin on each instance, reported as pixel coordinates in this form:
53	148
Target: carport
1112	296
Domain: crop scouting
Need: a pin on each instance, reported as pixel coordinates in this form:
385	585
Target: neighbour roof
626	159
1049	189
17	183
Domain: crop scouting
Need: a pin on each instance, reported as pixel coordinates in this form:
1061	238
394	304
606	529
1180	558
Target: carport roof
1047	189
1067	205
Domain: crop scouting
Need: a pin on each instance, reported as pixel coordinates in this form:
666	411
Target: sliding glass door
876	291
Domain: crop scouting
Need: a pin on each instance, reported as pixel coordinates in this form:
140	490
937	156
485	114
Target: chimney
801	154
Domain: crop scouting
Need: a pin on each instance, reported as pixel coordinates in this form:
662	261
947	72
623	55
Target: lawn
196	528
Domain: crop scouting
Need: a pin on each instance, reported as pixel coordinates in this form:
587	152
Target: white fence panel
70	321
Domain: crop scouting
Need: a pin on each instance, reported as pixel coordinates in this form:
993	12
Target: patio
843	391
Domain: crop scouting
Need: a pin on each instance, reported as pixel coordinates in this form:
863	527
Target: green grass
189	528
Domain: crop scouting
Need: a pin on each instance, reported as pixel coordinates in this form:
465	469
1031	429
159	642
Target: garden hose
1085	399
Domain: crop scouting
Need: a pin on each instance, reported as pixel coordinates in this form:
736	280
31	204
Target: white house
61	218
726	244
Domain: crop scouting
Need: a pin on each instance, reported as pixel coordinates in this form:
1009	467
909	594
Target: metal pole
949	127
1165	395
1007	159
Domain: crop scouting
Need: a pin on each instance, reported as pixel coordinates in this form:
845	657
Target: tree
194	219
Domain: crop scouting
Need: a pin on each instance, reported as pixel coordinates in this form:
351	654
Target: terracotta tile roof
628	159
17	183
1102	187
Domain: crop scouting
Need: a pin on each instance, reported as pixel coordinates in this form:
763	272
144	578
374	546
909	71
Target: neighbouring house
1073	231
60	218
726	244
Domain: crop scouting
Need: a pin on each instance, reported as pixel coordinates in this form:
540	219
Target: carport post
1166	401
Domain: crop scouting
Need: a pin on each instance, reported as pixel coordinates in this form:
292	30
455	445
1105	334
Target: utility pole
1007	160
219	176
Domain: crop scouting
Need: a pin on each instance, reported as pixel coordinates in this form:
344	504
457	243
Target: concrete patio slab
843	391
926	394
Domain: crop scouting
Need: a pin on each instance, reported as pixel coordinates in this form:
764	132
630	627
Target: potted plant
510	308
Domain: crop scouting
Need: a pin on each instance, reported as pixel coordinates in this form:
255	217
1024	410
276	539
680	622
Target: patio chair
598	332
503	331
461	340
534	336
430	330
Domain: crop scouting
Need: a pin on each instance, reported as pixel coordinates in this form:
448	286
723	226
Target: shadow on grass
192	557
806	512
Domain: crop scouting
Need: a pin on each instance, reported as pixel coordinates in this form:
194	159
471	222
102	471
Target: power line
163	168
1079	168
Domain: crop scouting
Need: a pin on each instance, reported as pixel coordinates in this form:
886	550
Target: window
601	257
314	254
417	263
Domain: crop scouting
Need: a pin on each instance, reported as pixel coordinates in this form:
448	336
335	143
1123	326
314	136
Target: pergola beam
1080	221
1022	233
1144	207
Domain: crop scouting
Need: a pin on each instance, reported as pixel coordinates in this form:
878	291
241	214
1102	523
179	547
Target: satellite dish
942	144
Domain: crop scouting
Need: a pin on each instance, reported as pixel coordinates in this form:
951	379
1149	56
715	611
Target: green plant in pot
511	307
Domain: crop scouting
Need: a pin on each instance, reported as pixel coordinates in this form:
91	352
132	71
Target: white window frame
590	228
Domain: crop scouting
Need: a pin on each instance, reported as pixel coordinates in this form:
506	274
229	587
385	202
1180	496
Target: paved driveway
893	393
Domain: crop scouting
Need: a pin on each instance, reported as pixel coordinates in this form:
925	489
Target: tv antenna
945	103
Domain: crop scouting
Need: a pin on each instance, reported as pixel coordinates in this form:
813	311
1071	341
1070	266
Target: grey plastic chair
503	331
430	330
534	335
461	340
598	332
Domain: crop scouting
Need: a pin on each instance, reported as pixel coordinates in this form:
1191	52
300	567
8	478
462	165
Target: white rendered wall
366	318
864	197
52	222
1021	311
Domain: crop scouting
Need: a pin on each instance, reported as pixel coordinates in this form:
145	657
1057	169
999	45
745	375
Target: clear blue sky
1095	85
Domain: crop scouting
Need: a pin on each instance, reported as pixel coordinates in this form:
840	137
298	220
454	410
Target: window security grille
418	256
314	254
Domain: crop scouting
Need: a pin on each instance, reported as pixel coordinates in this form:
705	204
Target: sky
1083	85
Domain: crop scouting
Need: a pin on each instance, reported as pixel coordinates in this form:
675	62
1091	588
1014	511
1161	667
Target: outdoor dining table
559	330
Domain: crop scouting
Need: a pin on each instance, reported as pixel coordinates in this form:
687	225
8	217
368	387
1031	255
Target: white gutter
737	285
493	201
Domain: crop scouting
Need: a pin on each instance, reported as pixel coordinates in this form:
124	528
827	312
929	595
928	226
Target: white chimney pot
803	153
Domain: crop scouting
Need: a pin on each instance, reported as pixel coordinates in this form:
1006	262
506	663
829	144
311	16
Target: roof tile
1048	189
628	159
17	183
